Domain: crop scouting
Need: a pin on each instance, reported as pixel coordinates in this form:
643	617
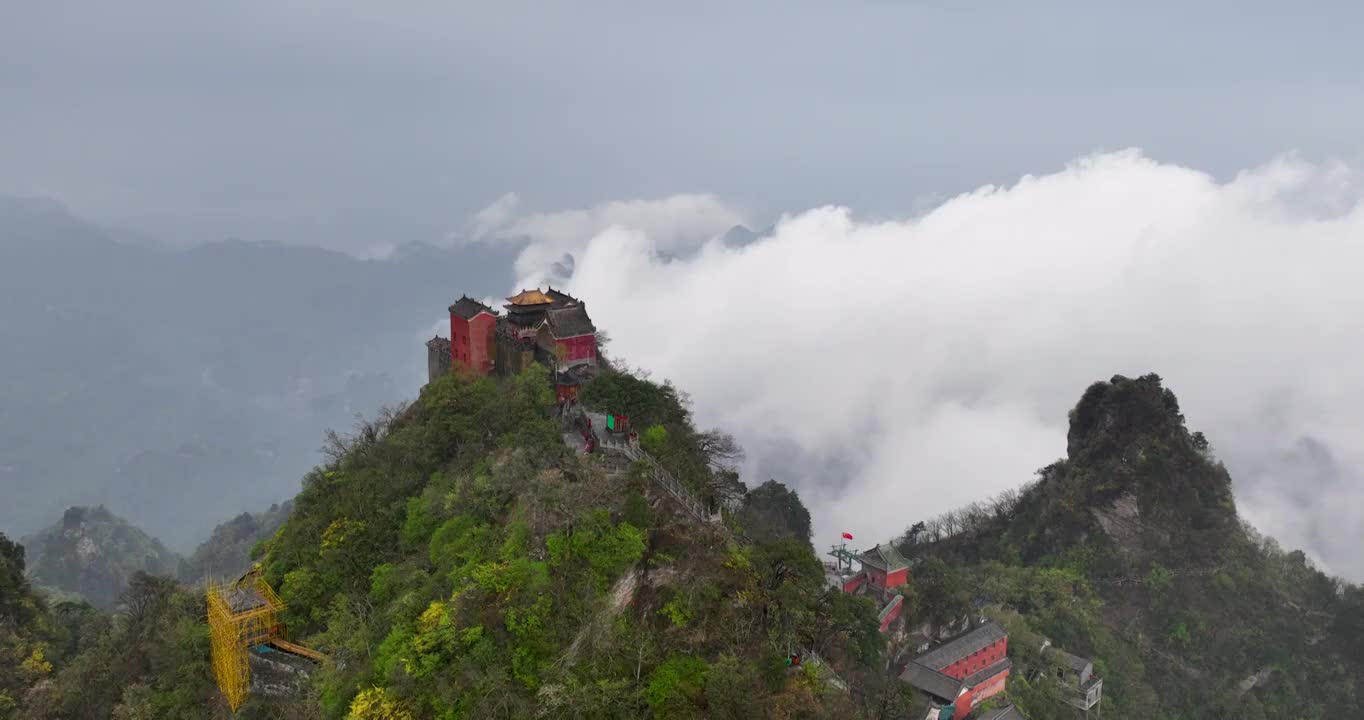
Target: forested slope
458	560
1130	551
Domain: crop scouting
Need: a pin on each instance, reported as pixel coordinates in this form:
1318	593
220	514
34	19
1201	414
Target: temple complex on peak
549	327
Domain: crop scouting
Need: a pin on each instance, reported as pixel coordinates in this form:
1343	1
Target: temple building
438	358
879	573
1083	688
472	328
885	568
961	673
548	327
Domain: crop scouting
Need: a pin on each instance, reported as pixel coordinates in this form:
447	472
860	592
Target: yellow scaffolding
241	614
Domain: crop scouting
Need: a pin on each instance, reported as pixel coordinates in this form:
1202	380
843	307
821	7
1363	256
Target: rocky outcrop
92	553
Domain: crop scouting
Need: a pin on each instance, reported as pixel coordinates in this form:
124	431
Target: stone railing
630	448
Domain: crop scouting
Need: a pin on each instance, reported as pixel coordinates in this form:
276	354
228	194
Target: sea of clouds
892	369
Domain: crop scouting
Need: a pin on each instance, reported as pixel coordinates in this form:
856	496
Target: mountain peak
1123	411
92	552
1132	463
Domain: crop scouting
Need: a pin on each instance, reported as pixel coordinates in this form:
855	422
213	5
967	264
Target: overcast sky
610	130
358	124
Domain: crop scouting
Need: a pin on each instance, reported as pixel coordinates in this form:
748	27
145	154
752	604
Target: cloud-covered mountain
181	387
915	362
894	368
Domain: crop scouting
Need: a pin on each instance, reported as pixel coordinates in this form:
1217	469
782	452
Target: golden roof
530	297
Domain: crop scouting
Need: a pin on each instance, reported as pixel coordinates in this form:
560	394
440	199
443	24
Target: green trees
605	549
24	654
676	689
645	402
455	561
149	661
458	562
376	704
15	600
773	511
1130	552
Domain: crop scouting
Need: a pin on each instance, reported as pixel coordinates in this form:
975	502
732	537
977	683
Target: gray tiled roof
560	297
884	558
570	321
931	681
982	675
1064	659
467	307
962	646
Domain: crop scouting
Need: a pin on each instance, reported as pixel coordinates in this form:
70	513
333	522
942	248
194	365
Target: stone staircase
577	417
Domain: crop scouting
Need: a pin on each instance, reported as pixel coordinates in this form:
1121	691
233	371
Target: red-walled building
890	612
885	568
473	328
963	671
575	337
557	322
551	328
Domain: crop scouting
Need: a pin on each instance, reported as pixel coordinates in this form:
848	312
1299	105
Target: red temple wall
472	343
582	347
978	661
482	343
897	578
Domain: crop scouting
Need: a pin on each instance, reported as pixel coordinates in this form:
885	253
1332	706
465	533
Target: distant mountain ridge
741	235
228	550
175	386
92	553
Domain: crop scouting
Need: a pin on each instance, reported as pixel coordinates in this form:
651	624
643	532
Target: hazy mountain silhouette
181	387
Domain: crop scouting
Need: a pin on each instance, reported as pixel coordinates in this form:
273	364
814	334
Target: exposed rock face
1122	522
1254	680
91	553
1145	480
278	674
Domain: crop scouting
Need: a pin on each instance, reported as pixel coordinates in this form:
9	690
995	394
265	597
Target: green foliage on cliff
66	660
1130	552
457	560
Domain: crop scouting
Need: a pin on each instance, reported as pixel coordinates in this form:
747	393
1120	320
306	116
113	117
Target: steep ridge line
657	473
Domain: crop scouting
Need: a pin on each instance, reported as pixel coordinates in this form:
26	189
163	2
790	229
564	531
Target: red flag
847	536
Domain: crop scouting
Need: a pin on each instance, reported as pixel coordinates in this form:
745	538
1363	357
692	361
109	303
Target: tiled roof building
963	671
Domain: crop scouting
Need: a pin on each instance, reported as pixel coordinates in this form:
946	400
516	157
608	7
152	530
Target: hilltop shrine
549	327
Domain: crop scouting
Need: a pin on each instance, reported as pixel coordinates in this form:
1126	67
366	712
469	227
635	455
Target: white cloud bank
892	370
672	224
